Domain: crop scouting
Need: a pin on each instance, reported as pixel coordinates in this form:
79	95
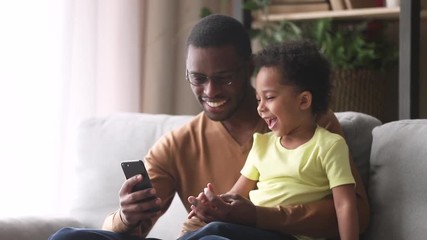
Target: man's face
218	78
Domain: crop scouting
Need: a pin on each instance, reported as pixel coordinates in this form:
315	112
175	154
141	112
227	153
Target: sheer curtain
30	102
103	71
62	61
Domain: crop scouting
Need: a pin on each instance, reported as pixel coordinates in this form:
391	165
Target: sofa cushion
35	228
357	129
397	187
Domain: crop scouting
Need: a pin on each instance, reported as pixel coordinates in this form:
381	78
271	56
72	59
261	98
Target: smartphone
135	167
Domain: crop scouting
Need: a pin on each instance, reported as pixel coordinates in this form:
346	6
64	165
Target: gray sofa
391	159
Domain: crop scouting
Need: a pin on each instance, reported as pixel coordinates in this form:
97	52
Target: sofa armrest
398	175
33	228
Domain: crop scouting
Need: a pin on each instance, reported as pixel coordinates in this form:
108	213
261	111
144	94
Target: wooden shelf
350	14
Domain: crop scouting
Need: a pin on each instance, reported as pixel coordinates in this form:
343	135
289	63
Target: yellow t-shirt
297	176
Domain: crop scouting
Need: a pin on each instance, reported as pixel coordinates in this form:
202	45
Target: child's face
279	105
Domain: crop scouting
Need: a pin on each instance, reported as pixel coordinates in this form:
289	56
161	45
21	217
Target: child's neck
299	136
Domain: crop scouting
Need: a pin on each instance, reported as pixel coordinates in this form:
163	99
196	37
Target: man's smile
214	103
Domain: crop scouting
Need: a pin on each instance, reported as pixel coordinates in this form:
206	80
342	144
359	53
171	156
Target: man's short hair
220	30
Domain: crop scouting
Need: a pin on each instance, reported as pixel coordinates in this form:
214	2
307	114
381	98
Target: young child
298	161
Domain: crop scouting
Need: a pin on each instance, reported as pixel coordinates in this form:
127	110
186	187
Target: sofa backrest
357	129
398	178
104	142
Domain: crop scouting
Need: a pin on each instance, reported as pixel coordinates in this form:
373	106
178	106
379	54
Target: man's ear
305	100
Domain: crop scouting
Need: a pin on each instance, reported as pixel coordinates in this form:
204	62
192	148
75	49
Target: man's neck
243	123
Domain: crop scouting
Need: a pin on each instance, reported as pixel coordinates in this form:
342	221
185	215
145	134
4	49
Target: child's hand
201	204
196	202
209	192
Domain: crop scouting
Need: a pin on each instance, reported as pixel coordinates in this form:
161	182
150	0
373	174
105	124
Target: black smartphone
134	167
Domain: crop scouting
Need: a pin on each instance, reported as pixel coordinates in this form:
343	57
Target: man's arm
317	219
133	216
202	203
114	223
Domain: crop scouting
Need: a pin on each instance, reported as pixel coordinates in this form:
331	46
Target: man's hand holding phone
138	200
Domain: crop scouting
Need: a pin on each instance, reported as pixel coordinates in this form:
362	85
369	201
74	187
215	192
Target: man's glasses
196	79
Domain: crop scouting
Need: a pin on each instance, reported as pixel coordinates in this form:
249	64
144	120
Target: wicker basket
358	90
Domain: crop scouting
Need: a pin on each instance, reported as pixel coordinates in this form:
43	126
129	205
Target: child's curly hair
302	65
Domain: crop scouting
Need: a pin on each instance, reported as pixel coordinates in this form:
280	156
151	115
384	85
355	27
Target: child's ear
305	100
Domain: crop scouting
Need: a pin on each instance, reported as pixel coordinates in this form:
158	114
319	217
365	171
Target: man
214	145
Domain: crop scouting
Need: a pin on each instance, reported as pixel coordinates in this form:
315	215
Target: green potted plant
354	45
359	53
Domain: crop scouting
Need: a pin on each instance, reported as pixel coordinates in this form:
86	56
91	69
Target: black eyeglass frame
225	81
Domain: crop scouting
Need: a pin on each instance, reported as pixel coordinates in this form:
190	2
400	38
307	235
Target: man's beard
239	105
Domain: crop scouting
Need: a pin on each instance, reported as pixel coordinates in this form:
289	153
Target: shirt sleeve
337	164
250	170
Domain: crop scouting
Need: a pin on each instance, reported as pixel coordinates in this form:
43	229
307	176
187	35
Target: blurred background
62	61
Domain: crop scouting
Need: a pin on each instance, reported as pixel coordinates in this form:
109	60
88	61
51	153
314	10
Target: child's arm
331	123
346	208
243	186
